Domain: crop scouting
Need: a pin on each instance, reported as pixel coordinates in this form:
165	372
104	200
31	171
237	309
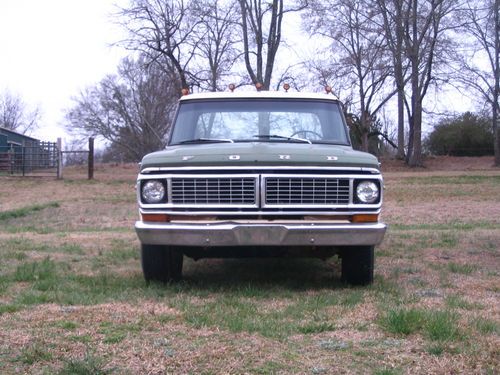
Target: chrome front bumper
269	234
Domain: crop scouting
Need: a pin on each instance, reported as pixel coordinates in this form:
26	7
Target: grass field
73	300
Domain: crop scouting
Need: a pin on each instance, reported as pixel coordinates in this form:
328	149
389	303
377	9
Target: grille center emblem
234	157
188	157
285	157
332	158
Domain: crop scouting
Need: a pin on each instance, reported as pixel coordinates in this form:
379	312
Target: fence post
59	159
91	158
23	159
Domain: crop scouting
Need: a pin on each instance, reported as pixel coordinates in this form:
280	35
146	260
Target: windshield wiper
271	136
206	140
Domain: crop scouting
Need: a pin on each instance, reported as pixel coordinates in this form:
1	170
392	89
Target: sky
50	50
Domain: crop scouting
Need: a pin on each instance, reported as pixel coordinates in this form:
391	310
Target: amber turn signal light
157	218
365	218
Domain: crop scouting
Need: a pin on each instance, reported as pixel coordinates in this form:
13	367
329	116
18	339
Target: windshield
263	120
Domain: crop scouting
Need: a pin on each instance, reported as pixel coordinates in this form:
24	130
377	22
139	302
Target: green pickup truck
259	174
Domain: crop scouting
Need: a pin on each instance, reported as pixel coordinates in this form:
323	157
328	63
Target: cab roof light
259	86
328	89
286	86
232	86
185	91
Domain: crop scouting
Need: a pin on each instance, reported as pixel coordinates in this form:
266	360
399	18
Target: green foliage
464	135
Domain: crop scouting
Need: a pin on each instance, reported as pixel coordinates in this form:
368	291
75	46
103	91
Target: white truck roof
258	95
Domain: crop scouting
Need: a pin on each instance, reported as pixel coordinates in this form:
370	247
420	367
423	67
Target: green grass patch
85	339
316	327
36	271
463	269
9	308
403	321
122	251
26	211
90	364
443	326
115	333
304	314
34	353
457	302
387	371
67	324
435	325
486	326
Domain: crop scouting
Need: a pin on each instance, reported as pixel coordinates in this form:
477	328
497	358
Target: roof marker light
328	89
286	86
232	87
185	91
259	86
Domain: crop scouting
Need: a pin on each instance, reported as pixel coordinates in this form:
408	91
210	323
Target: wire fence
32	159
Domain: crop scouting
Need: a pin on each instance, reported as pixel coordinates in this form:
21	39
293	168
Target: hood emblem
331	158
187	157
285	157
234	157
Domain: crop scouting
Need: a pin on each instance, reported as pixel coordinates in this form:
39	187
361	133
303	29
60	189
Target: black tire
161	263
357	264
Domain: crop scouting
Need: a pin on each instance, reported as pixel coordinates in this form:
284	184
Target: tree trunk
496	91
415	159
401	126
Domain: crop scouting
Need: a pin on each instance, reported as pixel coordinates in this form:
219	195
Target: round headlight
153	191
367	191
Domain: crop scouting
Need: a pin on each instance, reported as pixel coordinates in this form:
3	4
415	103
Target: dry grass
72	294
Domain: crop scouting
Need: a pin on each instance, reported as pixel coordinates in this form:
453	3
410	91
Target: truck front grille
306	191
213	190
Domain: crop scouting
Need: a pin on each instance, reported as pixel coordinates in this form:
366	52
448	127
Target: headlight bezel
161	187
360	200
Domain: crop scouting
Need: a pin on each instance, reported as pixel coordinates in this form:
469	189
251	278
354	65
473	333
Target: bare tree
261	26
358	54
483	25
132	110
391	12
215	41
424	40
162	31
15	114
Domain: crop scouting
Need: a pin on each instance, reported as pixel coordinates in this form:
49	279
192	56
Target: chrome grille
306	191
213	190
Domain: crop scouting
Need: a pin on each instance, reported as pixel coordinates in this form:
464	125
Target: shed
18	152
9	137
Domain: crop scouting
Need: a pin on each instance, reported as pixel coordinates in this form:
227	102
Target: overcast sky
52	49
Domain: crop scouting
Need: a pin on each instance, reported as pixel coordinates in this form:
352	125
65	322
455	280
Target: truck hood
259	154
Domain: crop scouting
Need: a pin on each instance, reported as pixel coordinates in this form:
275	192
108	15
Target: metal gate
30	159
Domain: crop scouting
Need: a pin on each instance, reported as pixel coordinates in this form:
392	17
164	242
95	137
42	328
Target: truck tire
161	263
357	264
